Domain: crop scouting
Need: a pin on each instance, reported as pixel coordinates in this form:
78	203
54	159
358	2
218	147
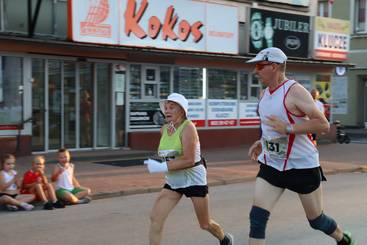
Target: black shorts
302	181
191	191
10	195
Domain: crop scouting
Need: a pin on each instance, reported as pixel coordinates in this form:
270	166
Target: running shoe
229	240
84	200
10	207
27	206
348	237
58	204
48	206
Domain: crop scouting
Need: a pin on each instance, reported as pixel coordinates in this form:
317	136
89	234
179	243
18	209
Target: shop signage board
331	39
197	112
176	24
222	113
289	32
248	114
145	115
305	3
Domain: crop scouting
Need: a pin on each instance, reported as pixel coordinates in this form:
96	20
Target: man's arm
300	102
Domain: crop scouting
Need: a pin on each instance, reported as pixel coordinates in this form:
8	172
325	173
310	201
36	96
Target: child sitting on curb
35	182
67	186
9	184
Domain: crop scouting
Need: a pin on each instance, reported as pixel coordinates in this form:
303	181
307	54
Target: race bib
276	147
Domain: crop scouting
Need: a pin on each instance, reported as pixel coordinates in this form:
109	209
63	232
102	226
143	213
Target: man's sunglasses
259	66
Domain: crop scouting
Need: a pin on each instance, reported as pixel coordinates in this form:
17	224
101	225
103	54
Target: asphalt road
124	220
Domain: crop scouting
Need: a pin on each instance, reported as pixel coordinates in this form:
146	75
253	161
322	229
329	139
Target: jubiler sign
174	24
288	32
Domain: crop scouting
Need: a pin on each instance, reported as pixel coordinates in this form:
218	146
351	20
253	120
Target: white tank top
65	179
283	152
9	177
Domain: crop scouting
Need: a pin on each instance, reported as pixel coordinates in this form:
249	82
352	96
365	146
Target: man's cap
177	98
270	54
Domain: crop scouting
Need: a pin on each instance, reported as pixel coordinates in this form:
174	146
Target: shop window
188	81
150	82
165	73
360	16
222	84
255	88
244	86
11	90
135	81
52	18
323	8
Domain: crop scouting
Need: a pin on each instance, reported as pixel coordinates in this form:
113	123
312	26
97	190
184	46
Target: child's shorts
60	192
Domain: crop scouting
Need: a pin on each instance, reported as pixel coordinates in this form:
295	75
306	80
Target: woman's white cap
272	54
177	98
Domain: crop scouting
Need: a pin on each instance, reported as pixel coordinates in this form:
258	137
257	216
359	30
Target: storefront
101	89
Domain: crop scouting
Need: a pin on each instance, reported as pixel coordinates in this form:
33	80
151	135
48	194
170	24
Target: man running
288	158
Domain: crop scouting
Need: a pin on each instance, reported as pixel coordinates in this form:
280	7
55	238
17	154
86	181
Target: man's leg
164	204
265	197
313	205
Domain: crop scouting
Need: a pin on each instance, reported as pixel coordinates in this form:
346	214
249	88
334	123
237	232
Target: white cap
270	54
177	98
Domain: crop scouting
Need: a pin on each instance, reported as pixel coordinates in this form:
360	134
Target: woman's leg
164	204
27	198
265	197
201	206
313	205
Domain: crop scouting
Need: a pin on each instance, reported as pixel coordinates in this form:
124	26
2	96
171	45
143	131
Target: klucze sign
174	24
331	39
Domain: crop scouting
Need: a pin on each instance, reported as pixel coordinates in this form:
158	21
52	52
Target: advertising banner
289	32
248	114
174	24
222	113
197	112
331	39
340	95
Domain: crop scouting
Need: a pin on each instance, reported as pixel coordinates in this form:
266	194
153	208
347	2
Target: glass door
69	105
120	83
38	105
103	129
365	103
54	104
86	101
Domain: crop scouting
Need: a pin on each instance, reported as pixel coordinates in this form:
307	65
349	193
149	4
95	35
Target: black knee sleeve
323	223
258	220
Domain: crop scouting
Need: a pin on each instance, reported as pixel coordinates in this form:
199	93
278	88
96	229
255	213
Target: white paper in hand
155	166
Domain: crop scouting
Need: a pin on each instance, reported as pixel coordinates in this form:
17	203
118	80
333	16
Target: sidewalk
225	166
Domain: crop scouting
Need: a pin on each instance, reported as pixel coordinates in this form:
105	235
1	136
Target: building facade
355	11
90	74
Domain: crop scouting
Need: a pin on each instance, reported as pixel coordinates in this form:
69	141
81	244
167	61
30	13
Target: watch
289	129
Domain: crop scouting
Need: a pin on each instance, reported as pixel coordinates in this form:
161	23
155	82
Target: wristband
289	129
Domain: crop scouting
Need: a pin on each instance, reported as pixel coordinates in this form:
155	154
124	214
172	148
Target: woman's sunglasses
259	66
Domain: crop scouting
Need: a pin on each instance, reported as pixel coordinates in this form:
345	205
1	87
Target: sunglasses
259	66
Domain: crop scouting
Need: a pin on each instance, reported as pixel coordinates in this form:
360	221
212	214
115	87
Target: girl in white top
9	187
67	186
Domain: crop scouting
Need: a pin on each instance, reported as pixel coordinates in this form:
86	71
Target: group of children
17	193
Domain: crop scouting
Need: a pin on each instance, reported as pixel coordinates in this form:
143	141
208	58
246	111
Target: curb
136	191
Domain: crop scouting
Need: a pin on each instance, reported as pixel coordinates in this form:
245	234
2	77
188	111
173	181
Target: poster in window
196	112
222	113
248	114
